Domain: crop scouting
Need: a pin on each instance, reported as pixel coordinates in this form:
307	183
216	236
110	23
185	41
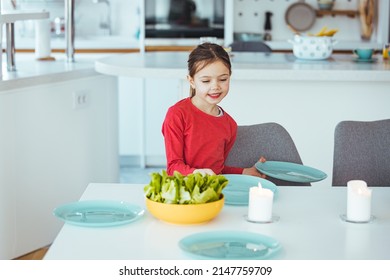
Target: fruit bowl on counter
190	199
314	47
311	47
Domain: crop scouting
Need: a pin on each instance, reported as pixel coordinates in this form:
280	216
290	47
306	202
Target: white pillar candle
358	201
260	204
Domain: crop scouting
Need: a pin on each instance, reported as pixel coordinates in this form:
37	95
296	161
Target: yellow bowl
185	213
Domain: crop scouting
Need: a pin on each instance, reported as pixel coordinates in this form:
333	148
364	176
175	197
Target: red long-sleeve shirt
195	140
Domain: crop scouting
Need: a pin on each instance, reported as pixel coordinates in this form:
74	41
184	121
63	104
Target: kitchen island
308	98
58	132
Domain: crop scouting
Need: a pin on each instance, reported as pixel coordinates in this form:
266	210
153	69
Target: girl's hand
253	170
204	171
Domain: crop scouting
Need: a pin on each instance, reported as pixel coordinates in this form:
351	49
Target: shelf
348	13
11	17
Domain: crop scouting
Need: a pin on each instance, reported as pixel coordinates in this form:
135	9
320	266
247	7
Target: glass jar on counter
386	51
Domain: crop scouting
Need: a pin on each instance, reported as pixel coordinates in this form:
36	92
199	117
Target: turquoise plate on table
230	245
289	171
237	190
98	213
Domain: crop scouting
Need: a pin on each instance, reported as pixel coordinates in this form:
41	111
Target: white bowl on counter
312	47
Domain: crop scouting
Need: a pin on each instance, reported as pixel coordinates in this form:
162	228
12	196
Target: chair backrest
270	140
250	46
362	152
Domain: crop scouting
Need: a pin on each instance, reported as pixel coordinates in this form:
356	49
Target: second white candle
260	204
358	201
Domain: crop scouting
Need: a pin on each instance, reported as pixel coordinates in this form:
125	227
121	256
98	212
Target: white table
309	228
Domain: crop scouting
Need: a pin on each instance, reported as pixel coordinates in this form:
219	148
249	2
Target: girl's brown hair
204	55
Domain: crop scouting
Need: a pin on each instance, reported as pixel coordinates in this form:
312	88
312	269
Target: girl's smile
214	95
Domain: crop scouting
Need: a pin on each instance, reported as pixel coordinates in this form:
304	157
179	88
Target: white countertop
12	16
249	66
309	228
31	72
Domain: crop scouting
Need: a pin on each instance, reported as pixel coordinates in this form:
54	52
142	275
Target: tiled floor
137	175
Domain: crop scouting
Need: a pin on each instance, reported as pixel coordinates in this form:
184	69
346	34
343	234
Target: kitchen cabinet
58	133
143	104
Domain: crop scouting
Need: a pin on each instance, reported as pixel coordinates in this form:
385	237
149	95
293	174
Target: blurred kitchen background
63	125
123	20
106	26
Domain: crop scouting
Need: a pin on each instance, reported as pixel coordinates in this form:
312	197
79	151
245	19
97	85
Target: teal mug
364	53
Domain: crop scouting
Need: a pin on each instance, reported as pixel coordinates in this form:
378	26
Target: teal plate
237	190
98	213
289	171
230	245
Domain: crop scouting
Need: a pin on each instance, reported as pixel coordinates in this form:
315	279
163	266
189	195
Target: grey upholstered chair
250	46
362	152
270	140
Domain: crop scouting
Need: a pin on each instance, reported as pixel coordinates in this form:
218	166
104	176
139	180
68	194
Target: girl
198	133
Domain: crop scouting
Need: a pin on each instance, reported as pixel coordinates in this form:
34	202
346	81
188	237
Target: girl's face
211	84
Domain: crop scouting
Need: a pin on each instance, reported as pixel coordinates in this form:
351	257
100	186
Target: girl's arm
173	131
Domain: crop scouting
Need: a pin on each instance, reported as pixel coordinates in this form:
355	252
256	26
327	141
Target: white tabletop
309	228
